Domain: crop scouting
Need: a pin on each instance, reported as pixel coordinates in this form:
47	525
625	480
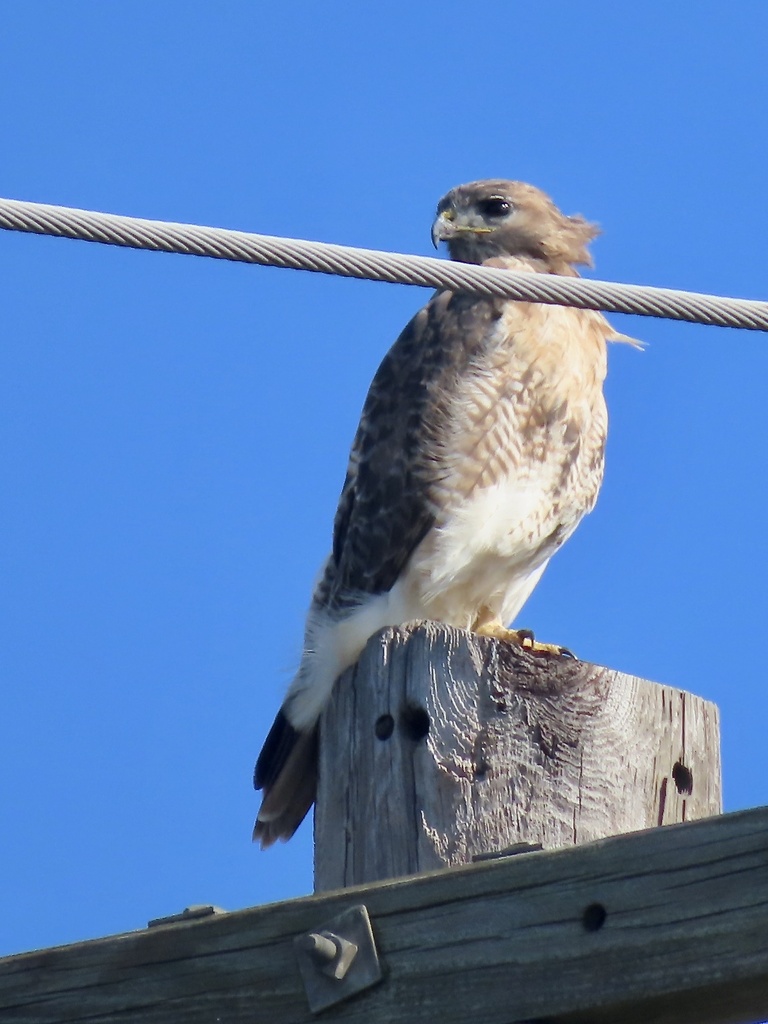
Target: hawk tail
287	772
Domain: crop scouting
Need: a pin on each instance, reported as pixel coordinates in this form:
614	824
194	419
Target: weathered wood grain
441	745
684	941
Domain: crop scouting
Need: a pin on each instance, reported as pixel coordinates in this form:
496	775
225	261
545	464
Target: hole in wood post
683	778
385	726
594	917
414	721
481	770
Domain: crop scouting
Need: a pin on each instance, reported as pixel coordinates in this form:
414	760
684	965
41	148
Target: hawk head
509	218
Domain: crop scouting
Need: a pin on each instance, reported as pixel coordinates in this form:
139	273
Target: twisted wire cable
374	265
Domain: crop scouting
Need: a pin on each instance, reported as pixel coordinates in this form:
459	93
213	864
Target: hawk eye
494	207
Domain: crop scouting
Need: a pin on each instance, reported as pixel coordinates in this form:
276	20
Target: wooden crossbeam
668	925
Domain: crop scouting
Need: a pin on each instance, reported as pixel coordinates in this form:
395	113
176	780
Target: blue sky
174	431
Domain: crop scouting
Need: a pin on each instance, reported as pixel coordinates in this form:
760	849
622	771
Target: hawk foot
522	638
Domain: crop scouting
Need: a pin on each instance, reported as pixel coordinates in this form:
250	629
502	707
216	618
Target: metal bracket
193	913
338	959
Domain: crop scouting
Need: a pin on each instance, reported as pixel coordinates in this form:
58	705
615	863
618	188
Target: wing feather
387	501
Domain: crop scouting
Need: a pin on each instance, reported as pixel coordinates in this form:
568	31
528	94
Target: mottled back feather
385	509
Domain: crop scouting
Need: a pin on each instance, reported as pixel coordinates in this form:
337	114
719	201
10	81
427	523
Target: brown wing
386	507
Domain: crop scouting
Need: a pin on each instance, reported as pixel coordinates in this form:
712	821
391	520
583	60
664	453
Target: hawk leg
522	638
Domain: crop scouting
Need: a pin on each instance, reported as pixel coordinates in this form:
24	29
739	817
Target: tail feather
275	751
287	772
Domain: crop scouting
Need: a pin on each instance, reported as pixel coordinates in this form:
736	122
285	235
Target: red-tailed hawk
479	449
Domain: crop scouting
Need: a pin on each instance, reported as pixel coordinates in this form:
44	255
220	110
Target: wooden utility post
442	746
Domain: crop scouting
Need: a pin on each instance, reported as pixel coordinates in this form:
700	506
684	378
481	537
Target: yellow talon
522	638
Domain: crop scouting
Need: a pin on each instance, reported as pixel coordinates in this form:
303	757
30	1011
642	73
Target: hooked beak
443	227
